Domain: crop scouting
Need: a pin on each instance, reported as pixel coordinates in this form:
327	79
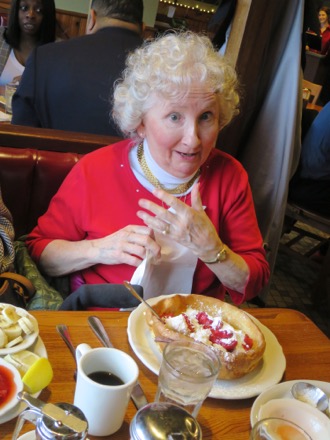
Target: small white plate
28	340
310	419
31	435
269	372
280	391
39	348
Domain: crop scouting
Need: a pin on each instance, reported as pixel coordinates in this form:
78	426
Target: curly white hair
169	65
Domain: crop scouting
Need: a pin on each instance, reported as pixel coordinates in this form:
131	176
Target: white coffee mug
104	405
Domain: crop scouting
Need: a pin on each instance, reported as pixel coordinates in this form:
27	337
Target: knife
138	397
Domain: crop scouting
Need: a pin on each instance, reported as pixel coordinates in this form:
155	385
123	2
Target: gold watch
219	258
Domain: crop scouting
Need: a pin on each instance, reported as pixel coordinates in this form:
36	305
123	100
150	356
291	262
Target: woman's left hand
189	226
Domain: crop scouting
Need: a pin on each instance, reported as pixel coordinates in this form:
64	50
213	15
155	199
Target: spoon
137	296
99	330
63	330
312	395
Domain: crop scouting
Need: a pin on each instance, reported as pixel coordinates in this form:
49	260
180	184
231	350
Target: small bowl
280	429
10	376
310	419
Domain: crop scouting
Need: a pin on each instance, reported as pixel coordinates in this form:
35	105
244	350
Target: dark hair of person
326	10
125	10
47	31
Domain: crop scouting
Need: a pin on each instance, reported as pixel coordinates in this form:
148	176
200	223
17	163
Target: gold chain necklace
180	189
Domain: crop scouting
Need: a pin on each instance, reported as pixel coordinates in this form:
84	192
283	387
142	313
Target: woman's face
323	17
30	16
182	132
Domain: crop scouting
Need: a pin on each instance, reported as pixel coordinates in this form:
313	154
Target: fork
63	331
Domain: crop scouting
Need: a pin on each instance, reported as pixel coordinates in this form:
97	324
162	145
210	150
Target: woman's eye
174	117
206	116
25	8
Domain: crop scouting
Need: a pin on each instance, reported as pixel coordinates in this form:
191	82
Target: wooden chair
321	234
313	89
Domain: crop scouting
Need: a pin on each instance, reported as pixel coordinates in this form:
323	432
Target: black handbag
15	289
102	296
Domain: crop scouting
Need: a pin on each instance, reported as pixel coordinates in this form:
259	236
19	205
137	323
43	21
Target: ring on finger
167	229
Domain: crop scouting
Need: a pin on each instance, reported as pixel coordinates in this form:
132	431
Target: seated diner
165	196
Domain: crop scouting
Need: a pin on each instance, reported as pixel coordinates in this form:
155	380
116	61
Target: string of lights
199	7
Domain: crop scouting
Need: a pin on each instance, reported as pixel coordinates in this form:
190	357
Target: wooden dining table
306	349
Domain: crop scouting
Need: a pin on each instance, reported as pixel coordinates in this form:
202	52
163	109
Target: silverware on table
131	289
138	397
313	395
63	331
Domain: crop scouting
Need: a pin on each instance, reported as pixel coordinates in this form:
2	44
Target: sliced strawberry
229	345
204	320
222	334
248	342
223	338
188	322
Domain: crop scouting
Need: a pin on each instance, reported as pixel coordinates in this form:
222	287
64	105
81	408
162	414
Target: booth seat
33	164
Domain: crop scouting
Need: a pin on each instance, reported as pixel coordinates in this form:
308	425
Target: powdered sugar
208	329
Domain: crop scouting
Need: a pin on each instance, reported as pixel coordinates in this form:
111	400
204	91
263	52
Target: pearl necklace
180	189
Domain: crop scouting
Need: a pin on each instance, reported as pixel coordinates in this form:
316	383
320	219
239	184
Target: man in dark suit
69	85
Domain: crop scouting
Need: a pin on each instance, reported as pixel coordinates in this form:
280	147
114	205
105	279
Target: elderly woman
165	195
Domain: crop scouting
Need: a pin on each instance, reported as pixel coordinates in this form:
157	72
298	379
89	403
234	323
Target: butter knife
138	397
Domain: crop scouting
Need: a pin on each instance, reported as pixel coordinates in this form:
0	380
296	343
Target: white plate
279	391
31	435
268	373
28	340
39	348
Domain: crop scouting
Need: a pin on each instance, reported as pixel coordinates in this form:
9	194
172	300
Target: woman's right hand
126	246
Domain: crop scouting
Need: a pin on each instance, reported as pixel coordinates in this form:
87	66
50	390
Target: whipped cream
210	330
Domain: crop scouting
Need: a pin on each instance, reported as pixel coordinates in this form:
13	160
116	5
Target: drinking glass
187	374
274	428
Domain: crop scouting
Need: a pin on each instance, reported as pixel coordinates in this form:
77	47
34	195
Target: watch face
222	255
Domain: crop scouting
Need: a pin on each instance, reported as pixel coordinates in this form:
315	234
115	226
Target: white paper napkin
5	116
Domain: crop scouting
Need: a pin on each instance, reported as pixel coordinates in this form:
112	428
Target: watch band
219	258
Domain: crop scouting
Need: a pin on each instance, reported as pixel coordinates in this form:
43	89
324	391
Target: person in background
324	17
68	85
7	234
30	23
310	186
164	195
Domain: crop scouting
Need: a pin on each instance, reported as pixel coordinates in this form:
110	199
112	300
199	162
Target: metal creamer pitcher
61	421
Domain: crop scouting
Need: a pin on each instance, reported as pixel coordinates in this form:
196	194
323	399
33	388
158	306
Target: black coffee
105	378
